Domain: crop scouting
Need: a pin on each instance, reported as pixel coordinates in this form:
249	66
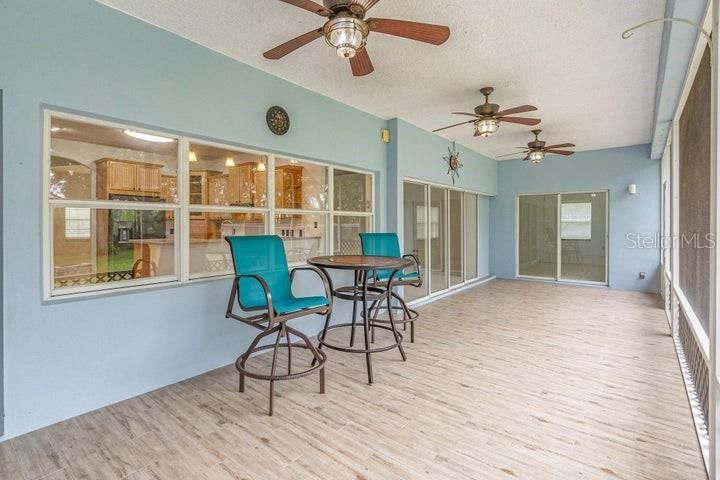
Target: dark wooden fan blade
310	6
361	64
513	111
561	145
421	32
456	125
292	45
466	113
365	4
559	152
513	154
520	120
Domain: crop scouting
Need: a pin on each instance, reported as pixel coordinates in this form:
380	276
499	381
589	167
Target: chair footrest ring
399	319
260	376
340	348
356	293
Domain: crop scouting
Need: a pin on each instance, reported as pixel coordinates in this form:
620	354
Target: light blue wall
418	154
612	170
63	359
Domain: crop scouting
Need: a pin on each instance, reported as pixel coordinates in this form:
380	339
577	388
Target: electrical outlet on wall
641	276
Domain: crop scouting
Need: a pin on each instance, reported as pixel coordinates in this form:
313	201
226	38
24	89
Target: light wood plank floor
509	380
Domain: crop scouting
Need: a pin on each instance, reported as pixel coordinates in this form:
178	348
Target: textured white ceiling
565	56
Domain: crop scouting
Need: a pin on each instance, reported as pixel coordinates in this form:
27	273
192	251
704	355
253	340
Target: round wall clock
278	120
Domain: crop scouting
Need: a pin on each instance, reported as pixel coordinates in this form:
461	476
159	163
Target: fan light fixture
147	137
261	167
192	157
536	156
346	34
486	127
229	162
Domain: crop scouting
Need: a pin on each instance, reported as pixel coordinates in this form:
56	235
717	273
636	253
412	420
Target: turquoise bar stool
388	245
263	290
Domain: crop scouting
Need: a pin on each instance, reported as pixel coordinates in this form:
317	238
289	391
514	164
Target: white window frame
370	216
181	210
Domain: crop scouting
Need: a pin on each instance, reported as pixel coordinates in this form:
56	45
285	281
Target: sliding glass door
415	204
582	236
438	242
441	228
563	237
472	235
537	236
456	235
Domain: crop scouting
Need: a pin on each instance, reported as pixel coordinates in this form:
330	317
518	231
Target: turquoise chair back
262	255
381	244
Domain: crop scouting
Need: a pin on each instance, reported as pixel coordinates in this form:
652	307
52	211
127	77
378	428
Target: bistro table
361	291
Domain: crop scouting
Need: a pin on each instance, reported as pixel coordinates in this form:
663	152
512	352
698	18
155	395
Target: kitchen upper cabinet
288	187
120	177
241	185
148	178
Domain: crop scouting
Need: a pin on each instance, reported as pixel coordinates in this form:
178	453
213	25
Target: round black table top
360	262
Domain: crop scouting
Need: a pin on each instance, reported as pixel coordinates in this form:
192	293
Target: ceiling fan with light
536	150
347	31
487	117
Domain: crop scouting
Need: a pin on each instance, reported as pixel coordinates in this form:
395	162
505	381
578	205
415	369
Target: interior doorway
563	237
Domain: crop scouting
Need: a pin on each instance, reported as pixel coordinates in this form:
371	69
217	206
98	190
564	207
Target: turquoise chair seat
294	304
384	275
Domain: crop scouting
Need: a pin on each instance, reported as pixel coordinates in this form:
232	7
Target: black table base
362	294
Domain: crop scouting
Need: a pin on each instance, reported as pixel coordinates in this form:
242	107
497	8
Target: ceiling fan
347	31
487	117
536	150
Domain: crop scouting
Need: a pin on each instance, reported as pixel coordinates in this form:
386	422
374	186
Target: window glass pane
456	238
346	234
303	235
352	191
220	176
209	252
471	235
110	163
300	185
121	245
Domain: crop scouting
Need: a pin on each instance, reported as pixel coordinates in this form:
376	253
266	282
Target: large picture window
129	207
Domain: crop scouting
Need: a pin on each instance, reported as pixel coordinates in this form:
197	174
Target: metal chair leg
354	320
274	364
242	359
394	329
289	347
322	337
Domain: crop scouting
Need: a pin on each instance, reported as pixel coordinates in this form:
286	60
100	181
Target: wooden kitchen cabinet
121	177
148	178
288	187
241	183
